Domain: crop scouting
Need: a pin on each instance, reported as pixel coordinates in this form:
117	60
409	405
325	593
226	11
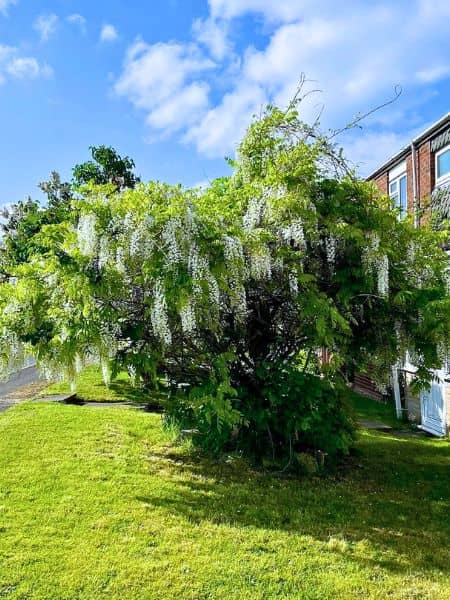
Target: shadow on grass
397	501
153	401
366	408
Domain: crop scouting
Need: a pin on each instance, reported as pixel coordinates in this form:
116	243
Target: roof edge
420	138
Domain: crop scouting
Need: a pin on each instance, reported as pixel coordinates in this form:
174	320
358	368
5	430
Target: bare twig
398	92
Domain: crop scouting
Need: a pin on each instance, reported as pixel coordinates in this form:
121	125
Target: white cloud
281	10
5	4
158	79
109	33
77	20
191	101
28	68
12	65
434	10
433	74
371	150
219	130
212	34
46	26
6	52
356	52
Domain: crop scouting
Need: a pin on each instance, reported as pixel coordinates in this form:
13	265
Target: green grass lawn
100	503
365	408
90	388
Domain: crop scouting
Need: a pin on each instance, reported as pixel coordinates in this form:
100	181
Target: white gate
433	408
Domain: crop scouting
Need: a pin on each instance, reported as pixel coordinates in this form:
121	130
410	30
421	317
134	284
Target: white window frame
444	178
395	176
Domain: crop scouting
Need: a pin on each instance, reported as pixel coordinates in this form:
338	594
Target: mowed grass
367	409
100	503
91	388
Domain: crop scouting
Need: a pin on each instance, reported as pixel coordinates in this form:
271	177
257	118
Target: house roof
429	132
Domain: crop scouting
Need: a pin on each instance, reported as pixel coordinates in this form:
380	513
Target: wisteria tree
227	295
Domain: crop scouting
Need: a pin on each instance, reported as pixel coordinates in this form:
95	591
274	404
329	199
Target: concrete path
377	425
14	390
72	399
405	433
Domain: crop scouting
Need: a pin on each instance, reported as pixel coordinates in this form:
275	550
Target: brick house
417	176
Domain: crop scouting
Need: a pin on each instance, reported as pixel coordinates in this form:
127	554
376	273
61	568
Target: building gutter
414	182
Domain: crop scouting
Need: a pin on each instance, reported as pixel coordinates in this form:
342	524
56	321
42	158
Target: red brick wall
382	183
425	173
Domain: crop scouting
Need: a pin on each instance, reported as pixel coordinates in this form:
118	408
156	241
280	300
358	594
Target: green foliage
22	221
107	166
229	293
296	412
25	219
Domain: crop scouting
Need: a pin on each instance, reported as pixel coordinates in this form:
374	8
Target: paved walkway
377	425
20	386
27	384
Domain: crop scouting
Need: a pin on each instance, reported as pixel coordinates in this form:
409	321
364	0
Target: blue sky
173	84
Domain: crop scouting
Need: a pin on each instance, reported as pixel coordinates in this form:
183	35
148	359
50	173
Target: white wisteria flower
159	317
331	248
87	235
383	276
169	238
188	320
295	233
254	214
261	264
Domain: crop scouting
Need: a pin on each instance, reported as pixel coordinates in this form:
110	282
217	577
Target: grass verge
91	388
365	408
101	504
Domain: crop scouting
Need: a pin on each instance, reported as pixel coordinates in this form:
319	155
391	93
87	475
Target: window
443	166
399	193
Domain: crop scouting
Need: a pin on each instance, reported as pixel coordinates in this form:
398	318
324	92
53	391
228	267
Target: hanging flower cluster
370	252
261	264
411	253
254	214
234	259
187	315
159	317
104	252
294	233
330	249
87	235
12	354
373	261
120	259
106	371
169	238
134	247
293	283
383	276
233	251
